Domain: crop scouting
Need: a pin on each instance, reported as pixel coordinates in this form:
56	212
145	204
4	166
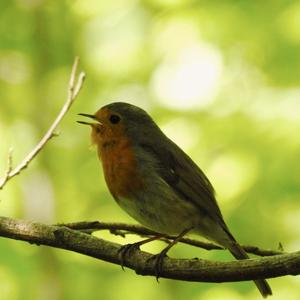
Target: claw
124	250
159	258
158	263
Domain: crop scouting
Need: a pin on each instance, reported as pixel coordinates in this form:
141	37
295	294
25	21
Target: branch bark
124	229
180	269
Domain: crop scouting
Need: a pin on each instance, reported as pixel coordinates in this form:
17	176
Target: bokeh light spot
190	79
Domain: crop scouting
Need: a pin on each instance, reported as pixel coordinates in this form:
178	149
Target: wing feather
186	178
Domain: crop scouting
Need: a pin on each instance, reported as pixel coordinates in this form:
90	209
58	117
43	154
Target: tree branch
73	90
180	269
123	229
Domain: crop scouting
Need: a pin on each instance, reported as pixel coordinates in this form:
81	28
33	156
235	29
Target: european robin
155	181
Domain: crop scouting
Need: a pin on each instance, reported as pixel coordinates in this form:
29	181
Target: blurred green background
221	78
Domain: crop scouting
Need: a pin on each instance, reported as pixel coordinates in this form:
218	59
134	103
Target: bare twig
123	229
73	90
8	168
179	269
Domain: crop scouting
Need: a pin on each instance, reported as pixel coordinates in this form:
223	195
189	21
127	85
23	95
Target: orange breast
120	168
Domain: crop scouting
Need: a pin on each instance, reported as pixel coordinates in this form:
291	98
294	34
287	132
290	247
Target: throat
108	144
120	168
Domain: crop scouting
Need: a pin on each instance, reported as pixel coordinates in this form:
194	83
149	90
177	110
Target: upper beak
88	123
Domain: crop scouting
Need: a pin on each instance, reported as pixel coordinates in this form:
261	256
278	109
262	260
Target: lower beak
86	123
91	117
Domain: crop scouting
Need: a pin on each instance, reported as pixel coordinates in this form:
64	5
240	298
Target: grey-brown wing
186	178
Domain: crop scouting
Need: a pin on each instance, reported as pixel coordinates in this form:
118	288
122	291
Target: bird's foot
125	250
158	263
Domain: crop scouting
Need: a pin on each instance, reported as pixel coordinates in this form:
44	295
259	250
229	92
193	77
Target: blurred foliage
220	77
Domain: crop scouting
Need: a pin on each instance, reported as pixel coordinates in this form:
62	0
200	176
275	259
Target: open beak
89	123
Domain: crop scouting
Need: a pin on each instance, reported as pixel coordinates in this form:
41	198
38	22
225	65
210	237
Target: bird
156	182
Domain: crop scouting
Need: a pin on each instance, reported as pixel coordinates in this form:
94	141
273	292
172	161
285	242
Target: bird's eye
114	119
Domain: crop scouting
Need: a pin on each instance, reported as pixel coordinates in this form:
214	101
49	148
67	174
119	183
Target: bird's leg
125	249
159	258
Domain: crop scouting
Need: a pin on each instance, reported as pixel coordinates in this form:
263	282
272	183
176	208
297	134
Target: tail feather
239	253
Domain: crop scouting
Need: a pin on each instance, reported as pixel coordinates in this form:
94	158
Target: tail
239	253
